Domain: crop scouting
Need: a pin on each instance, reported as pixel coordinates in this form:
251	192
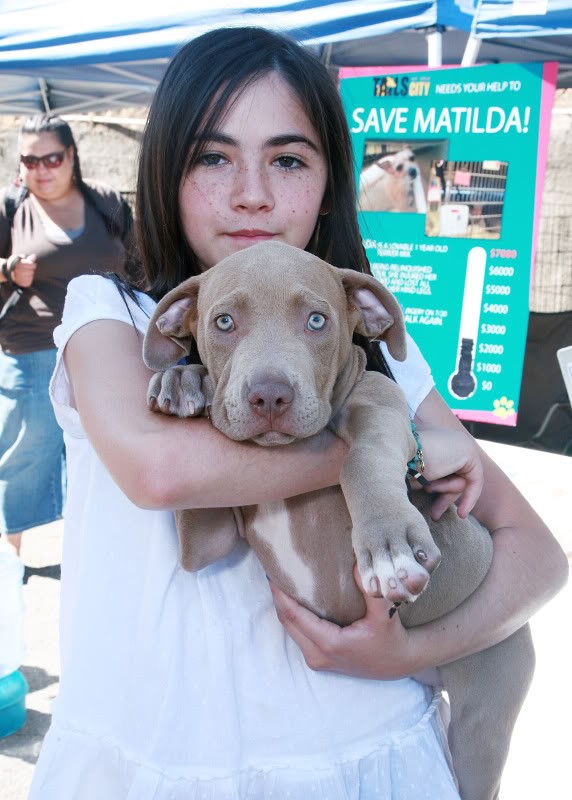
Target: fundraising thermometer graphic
462	383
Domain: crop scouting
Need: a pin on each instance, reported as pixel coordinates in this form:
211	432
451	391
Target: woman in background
54	225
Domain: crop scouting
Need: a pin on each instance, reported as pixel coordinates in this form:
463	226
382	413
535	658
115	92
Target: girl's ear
172	327
374	311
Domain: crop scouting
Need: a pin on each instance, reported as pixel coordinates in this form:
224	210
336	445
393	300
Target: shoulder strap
12	200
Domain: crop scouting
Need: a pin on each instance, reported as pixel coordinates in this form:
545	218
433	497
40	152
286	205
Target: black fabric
12	200
542	387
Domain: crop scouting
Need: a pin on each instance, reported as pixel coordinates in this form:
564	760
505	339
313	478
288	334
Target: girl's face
262	176
46	182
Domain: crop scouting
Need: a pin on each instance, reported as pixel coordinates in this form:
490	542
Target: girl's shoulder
99	297
412	375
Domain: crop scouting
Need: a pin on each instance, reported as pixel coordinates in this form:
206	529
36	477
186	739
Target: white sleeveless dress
179	686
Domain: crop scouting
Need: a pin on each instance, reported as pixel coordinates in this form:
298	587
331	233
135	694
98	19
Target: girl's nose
252	190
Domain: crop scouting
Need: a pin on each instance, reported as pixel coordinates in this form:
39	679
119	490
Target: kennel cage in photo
467	198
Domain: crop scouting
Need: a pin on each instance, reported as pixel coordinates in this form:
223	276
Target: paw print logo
503	408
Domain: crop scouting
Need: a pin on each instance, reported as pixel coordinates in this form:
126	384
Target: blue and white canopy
68	56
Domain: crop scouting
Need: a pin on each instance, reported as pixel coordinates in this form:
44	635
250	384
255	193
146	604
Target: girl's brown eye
211	159
289	162
225	323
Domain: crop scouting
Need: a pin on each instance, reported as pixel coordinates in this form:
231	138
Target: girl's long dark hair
202	80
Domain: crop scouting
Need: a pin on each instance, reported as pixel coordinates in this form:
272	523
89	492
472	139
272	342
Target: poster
449	167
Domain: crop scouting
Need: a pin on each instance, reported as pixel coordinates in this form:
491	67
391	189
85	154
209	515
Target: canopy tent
112	54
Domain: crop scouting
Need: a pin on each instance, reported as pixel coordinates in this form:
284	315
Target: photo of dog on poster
395	175
459	199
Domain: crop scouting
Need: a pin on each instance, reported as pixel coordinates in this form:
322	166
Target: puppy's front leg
205	534
179	391
394	548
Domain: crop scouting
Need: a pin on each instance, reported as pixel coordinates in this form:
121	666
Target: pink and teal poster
450	165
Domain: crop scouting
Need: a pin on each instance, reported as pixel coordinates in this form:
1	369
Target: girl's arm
166	462
528	568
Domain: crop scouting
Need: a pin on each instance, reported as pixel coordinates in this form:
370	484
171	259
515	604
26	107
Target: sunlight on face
262	176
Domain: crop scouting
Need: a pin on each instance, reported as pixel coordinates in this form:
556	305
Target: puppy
273	326
390	184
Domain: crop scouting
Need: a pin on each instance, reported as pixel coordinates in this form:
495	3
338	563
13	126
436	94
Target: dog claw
421	555
375	586
393	609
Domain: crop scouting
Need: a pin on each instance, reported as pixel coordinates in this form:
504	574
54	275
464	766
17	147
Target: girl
178	685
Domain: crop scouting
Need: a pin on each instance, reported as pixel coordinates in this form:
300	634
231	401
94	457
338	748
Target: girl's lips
251	234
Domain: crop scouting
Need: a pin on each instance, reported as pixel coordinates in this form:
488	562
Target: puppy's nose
270	399
412	172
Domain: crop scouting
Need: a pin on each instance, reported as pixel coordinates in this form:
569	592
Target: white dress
179	686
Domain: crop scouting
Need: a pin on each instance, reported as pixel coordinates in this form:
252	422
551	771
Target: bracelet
9	266
416	466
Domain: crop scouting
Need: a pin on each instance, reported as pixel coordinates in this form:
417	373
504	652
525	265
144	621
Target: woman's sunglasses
50	161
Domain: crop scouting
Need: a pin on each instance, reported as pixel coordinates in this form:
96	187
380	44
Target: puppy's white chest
271	527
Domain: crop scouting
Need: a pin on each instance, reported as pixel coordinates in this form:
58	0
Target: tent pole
45	92
326	56
435	47
471	51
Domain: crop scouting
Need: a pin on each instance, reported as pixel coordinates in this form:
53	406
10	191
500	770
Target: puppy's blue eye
316	321
225	323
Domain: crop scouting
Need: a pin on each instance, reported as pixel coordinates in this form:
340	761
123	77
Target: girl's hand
453	468
24	271
377	646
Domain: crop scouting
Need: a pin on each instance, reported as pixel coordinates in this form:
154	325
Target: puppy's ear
172	327
385	164
374	311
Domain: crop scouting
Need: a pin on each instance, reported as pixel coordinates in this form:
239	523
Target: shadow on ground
38	678
25	744
52	571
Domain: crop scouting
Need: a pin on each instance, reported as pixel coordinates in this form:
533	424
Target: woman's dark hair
46	123
202	80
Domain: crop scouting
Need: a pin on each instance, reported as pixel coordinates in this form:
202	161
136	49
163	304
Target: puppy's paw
395	557
178	391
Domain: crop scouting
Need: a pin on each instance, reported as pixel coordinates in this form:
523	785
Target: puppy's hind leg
486	692
206	535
